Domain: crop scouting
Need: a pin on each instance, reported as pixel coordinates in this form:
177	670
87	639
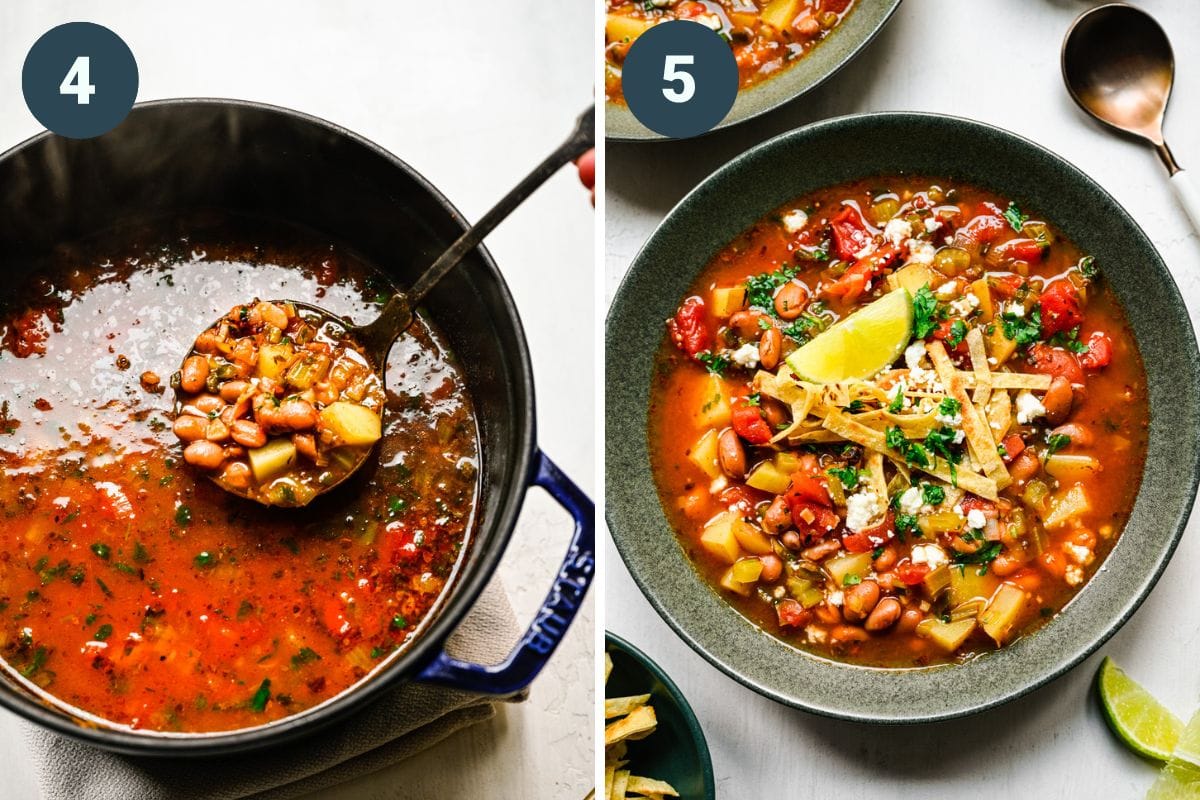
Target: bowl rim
787	85
689	715
474	573
618	523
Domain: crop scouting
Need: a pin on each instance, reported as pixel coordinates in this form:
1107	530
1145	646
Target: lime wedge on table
1142	722
1175	782
859	345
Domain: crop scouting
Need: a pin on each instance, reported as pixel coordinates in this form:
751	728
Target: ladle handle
582	139
1189	196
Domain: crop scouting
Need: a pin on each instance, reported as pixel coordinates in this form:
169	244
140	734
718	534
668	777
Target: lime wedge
1187	749
860	345
1175	782
1142	722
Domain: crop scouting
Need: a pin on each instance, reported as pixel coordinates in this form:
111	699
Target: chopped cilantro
760	289
897	402
1014	216
183	516
259	701
103	632
932	494
101	550
855	407
847	475
1056	442
912	452
1022	330
715	364
399	622
984	556
924	312
305	656
204	559
851	579
949	407
1087	267
905	523
958	332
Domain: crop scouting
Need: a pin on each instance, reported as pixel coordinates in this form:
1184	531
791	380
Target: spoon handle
1189	196
582	139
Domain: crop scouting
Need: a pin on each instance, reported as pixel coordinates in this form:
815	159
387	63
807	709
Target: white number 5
78	81
671	74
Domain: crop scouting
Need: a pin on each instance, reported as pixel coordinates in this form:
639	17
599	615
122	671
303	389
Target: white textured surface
472	98
997	61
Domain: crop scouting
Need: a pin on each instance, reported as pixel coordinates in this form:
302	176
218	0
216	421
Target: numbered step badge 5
80	80
680	79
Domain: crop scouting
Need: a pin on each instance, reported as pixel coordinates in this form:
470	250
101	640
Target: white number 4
78	81
671	74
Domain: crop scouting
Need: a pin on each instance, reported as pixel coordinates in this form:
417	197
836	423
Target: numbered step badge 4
80	80
680	79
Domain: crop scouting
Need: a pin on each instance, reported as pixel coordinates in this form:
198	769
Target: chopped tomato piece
984	227
112	501
870	538
792	614
1054	361
749	424
835	6
945	332
808	488
1027	250
1013	445
856	280
1060	308
911	574
1099	353
399	543
688	329
1005	286
971	502
850	234
857	543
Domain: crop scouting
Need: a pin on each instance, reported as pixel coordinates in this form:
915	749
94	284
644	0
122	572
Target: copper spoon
375	339
1119	67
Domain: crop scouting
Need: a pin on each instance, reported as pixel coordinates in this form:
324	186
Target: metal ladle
376	338
1119	67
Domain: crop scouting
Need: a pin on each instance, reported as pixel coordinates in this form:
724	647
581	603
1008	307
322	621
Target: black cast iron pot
186	155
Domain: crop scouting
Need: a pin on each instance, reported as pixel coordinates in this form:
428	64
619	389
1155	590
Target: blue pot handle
558	610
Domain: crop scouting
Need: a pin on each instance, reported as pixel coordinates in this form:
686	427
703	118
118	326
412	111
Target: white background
473	94
996	61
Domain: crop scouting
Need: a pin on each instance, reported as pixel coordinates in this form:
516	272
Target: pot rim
473	573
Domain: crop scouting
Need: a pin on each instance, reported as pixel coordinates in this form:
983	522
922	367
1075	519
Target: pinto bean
207	403
190	428
770	348
1004	565
775	412
731	455
790	300
828	613
272	315
217	431
248	434
885	615
842	634
791	540
778	517
909	620
745	324
772	568
1079	434
193	374
1025	466
299	415
236	474
232	390
204	454
306	445
821	550
1058	400
886	559
859	600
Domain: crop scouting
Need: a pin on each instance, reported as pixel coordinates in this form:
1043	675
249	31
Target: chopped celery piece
747	570
1000	616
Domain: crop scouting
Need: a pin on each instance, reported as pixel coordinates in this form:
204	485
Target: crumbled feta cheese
1078	553
953	420
964	305
929	554
914	354
958	509
709	20
794	220
1029	407
898	390
863	510
868	248
932	224
1016	309
718	484
896	231
959	436
947	290
976	519
920	252
1074	575
910	501
745	356
835	598
816	635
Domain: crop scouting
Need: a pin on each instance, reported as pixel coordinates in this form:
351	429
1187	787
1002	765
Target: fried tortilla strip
875	474
651	786
850	430
620	706
620	784
979	362
607	666
979	435
1033	381
640	722
999	414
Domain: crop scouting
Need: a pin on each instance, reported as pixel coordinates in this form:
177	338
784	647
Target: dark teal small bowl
837	50
676	752
834	152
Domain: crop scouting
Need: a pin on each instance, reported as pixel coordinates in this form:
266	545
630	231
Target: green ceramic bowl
676	752
833	152
831	54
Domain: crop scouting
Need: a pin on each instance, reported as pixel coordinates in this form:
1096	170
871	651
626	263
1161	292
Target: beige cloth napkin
398	726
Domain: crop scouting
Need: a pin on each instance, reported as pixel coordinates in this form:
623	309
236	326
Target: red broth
133	588
921	558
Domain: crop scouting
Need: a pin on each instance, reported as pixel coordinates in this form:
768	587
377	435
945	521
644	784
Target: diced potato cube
727	301
980	289
912	277
719	540
780	13
744	19
1071	468
272	358
998	619
352	424
768	478
620	28
715	411
751	538
841	567
787	463
947	635
273	458
704	454
1066	506
999	346
729	581
967	584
